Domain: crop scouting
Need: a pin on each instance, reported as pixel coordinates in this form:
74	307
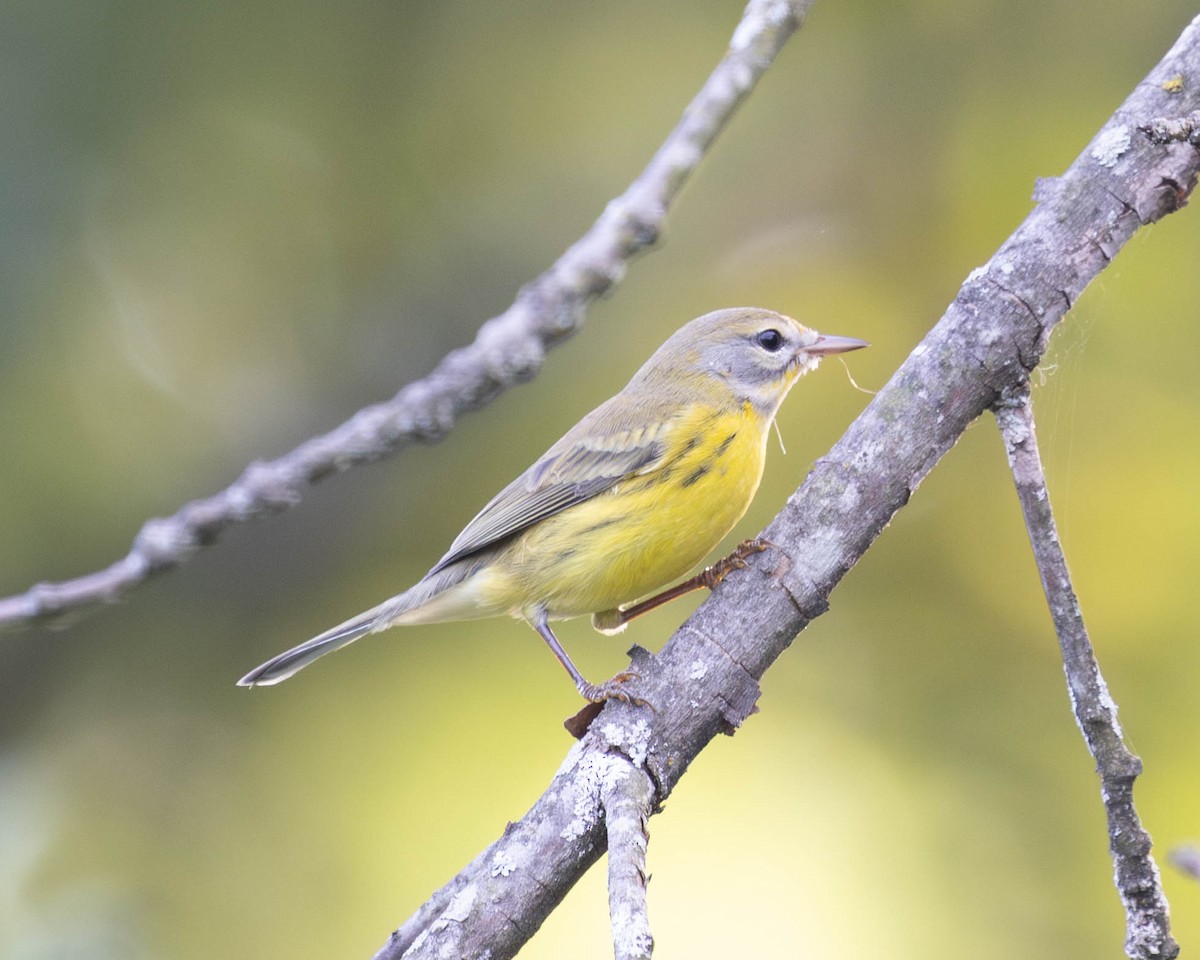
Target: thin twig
508	349
628	801
1147	917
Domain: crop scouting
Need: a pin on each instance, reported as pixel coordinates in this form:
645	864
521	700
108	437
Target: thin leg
709	577
597	693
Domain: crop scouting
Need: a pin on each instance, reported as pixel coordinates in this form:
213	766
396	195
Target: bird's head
753	353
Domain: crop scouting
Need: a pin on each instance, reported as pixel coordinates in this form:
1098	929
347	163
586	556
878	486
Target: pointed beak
827	344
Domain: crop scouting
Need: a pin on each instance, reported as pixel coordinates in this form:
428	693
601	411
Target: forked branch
705	680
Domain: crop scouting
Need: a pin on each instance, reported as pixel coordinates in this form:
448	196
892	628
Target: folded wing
595	455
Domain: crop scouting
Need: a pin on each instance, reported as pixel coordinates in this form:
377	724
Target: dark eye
770	340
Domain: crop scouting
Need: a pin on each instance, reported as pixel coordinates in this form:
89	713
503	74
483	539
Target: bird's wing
593	456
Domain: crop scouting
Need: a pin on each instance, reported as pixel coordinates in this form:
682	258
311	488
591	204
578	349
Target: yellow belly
641	535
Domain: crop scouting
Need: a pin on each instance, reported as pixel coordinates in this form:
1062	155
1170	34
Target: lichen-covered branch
1164	130
1147	919
704	682
499	901
628	800
508	349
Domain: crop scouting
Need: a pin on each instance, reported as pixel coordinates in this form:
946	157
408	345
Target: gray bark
1147	919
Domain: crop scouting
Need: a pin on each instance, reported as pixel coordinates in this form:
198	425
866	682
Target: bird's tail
281	667
426	602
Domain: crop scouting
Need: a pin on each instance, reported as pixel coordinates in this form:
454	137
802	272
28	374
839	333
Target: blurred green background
227	226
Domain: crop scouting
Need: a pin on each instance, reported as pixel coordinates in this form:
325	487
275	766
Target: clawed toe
748	548
713	575
597	694
613	690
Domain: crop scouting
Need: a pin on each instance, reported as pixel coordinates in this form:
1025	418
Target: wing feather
596	454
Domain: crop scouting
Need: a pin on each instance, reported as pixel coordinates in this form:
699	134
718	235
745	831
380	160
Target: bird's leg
708	577
595	692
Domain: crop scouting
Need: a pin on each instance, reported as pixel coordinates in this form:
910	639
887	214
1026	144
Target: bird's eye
770	340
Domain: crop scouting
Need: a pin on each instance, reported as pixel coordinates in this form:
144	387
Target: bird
632	497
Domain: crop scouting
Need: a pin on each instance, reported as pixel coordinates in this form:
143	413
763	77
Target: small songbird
632	497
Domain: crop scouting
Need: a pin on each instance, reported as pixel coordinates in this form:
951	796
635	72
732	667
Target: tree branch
705	680
508	349
628	799
1147	919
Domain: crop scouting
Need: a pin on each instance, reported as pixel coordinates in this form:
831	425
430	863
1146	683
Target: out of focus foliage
226	226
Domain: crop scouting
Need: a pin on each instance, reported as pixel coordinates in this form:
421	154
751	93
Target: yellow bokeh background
228	226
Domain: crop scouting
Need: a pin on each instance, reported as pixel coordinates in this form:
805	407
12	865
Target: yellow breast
647	531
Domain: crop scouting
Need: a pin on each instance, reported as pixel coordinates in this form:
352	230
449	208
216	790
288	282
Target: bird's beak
827	345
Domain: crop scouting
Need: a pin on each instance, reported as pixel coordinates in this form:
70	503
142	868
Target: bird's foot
611	690
735	561
597	694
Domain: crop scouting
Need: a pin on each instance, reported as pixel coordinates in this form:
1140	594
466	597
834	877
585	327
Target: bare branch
705	680
507	350
1147	919
628	801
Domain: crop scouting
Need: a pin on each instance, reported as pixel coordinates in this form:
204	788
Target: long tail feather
418	604
285	664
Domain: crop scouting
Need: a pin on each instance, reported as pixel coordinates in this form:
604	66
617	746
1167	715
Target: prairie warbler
631	498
